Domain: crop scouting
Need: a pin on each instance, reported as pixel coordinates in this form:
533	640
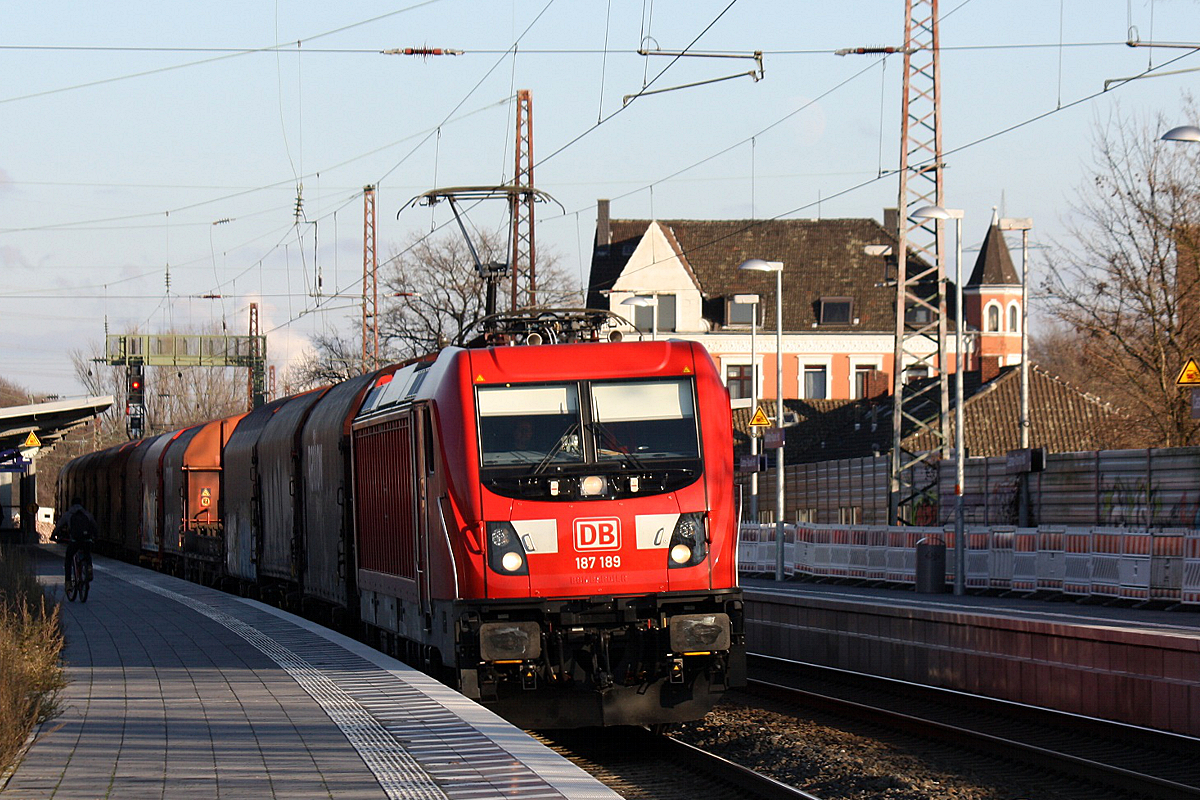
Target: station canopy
47	422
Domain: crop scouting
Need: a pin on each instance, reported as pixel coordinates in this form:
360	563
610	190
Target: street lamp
960	550
644	301
1183	133
1024	226
752	301
758	265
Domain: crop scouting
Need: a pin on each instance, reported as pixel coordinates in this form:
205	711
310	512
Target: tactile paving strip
416	746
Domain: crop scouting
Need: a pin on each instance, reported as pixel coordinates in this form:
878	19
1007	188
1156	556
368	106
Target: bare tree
13	395
1126	287
437	295
334	358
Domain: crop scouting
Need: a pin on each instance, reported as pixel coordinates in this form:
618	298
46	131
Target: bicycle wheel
71	590
84	587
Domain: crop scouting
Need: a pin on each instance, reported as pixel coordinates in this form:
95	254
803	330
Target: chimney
989	368
603	231
891	221
878	384
1187	283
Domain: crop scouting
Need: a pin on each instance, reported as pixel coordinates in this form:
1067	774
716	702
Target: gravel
852	761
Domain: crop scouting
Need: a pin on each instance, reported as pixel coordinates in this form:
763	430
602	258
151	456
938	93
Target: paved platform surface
179	691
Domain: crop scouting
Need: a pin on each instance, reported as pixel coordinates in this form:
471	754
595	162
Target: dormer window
836	310
740	314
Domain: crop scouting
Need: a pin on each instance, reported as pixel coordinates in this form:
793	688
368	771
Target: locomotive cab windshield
550	441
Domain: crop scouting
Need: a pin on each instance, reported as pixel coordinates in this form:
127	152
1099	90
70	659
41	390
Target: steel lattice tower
370	285
522	257
255	385
921	291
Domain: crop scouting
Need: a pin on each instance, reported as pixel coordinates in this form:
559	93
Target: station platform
180	691
1135	665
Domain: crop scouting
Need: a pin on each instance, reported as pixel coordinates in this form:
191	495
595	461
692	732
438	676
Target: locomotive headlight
505	555
681	554
593	485
689	541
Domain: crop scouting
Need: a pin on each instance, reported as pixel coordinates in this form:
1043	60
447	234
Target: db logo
597	534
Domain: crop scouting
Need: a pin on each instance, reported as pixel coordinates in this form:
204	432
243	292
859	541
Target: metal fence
1097	561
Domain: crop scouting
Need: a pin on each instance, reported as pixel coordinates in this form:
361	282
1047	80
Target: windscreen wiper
562	441
602	433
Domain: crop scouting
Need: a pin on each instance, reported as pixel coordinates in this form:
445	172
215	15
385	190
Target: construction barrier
1024	560
1077	579
1191	568
1051	559
1166	564
1161	565
1000	558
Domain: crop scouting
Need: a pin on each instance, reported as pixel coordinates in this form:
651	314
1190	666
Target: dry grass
31	677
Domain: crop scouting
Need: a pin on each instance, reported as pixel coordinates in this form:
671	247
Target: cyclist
78	528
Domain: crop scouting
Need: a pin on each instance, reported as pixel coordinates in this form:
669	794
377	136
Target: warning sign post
1189	375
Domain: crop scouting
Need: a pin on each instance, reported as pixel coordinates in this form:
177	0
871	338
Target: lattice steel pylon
920	292
522	257
256	383
370	285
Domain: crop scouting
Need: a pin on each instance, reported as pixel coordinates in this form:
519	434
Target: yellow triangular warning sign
1189	375
760	419
479	379
32	441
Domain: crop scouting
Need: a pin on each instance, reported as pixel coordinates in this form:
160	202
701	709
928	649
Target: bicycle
79	584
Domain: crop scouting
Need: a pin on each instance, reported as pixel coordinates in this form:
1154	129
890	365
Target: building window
849	515
993	318
739	378
666	312
1012	318
917	314
836	310
862	374
664	308
816	382
916	373
740	313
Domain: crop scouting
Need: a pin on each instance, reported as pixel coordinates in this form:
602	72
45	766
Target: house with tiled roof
837	453
1062	419
837	300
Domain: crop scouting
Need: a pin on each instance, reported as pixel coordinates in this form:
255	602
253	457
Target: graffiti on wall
1142	504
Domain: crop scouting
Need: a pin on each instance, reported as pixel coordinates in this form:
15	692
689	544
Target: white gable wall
655	269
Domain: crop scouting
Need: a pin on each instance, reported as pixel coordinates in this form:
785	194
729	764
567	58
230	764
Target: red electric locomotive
552	529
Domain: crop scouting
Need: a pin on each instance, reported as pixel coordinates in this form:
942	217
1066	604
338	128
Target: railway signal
135	400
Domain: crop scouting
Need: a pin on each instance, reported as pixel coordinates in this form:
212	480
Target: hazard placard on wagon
1189	375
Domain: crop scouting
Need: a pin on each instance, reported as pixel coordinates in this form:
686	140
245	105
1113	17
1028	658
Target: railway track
1137	760
641	765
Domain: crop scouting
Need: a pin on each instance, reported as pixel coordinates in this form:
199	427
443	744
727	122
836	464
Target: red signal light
135	384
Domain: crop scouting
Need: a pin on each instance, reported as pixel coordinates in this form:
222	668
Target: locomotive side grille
383	465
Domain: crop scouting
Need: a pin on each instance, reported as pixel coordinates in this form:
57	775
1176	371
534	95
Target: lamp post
1183	133
752	301
960	549
758	265
644	301
1024	226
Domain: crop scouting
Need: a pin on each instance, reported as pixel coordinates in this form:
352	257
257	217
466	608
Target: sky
153	153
